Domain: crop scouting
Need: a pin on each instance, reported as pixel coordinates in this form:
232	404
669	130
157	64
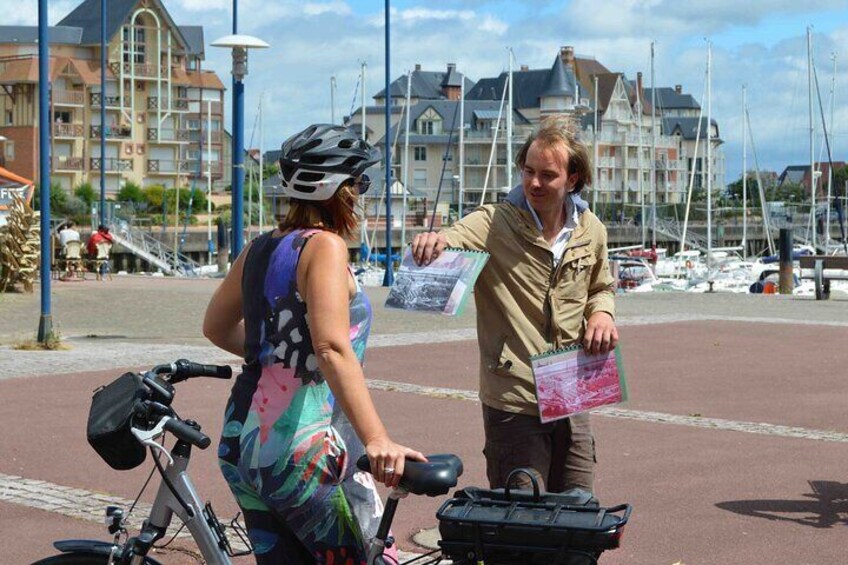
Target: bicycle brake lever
148	437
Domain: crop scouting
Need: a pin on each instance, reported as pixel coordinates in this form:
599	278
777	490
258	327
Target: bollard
787	283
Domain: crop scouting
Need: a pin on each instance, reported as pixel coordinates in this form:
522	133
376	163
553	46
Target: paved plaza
732	449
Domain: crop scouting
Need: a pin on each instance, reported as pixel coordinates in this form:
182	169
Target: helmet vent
304	188
311	177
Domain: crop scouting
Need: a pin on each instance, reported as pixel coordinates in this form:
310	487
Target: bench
825	268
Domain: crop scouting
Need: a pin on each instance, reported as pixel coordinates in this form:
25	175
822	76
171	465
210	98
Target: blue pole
238	167
102	112
45	323
238	155
389	277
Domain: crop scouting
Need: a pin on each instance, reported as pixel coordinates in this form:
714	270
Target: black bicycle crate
543	528
109	421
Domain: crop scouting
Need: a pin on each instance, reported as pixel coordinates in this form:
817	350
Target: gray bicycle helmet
315	162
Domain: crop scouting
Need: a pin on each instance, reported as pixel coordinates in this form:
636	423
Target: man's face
545	178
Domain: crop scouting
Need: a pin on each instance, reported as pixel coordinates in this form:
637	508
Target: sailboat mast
406	159
363	225
333	99
653	153
461	144
595	182
744	175
509	128
709	160
812	132
262	167
639	160
830	168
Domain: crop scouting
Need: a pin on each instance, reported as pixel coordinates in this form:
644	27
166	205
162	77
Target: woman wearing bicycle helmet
300	414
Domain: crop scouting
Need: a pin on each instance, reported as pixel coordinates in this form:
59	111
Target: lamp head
240	44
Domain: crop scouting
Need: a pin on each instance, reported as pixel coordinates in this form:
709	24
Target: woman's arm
324	282
223	324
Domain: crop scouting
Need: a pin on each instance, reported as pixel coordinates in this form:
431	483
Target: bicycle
477	525
141	404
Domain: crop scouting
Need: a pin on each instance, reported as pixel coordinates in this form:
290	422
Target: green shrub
131	192
58	198
154	195
86	193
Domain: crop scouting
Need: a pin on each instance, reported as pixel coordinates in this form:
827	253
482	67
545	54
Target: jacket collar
516	198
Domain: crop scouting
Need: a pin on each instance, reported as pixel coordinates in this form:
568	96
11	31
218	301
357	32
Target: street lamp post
239	45
45	323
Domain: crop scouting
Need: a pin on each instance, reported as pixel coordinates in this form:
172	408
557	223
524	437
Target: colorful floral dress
287	449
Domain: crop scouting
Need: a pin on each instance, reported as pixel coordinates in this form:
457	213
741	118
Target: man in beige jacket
546	285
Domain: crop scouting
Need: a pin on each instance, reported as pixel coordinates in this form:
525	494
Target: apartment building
164	113
624	144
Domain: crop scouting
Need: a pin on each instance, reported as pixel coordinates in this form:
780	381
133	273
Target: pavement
731	450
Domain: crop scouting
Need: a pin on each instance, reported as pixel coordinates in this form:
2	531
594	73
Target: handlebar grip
186	433
185	369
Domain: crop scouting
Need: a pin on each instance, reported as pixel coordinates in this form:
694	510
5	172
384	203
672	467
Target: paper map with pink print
568	381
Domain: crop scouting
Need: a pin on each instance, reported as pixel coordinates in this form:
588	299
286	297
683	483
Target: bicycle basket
109	421
535	528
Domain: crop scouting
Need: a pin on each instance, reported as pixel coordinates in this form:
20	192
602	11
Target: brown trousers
562	452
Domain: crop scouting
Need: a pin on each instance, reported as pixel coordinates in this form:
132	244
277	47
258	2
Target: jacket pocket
575	278
510	364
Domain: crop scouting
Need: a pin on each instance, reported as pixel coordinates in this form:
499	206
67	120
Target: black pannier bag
503	525
109	422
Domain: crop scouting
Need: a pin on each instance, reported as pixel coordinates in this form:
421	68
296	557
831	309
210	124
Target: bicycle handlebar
187	433
184	369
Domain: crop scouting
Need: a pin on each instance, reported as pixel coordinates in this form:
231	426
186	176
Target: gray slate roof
118	12
669	99
425	84
447	109
194	38
559	82
687	127
29	34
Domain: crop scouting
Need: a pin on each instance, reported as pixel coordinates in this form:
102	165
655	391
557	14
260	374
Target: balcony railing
167	134
67	130
138	69
116	132
112	165
169	167
111	101
155	102
195	136
68	163
68	98
216	168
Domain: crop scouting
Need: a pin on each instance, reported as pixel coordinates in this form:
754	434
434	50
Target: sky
758	43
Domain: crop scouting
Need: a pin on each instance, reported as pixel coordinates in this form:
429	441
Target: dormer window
429	123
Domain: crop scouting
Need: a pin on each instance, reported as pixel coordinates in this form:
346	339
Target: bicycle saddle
433	478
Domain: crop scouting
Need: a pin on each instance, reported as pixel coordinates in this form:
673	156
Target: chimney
524	68
417	66
566	53
639	88
451	67
678	88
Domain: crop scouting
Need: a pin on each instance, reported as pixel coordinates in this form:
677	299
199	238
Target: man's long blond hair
560	133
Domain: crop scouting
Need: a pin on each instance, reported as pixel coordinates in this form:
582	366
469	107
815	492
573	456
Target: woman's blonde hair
338	214
560	132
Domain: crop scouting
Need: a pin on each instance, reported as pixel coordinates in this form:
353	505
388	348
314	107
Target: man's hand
426	247
601	335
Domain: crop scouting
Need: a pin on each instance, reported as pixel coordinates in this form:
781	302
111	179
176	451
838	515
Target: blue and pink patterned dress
287	449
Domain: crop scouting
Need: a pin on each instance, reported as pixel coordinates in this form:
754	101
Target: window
10	150
420	153
426	127
9	119
139	46
419	178
62	117
193	124
429	123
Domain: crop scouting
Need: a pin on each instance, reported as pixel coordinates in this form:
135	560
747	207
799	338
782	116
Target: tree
86	193
154	195
131	192
58	198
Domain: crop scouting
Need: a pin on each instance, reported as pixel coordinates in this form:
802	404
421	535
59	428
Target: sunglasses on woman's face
362	184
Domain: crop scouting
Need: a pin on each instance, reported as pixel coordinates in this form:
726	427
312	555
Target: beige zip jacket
525	304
